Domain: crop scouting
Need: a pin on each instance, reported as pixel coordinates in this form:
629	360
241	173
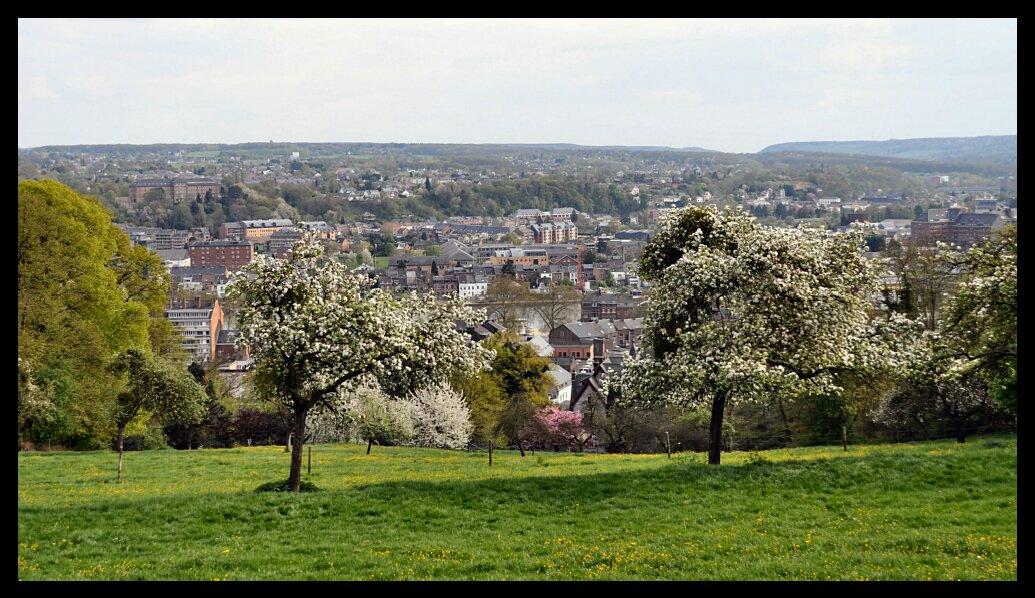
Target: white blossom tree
315	329
374	418
738	311
35	401
441	418
966	367
979	331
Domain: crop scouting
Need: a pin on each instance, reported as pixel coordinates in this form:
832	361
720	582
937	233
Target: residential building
199	321
174	258
256	231
606	306
232	255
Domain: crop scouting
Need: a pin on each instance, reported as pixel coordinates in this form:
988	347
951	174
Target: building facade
199	321
232	255
177	189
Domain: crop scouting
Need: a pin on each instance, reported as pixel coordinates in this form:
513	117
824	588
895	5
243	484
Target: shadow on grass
842	475
284	486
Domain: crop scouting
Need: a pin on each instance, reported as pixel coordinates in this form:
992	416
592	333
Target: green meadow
931	510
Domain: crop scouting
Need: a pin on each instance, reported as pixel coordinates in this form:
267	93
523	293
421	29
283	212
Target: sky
723	84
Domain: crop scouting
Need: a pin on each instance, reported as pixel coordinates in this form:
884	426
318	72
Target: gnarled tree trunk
297	440
715	429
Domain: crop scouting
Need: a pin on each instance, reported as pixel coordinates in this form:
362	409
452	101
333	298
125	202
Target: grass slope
933	510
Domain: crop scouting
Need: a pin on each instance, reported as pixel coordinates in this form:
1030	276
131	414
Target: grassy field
933	510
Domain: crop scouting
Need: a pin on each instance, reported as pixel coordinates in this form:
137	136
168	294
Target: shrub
261	427
440	418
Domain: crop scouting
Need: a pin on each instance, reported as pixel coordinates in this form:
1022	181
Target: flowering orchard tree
554	426
980	325
738	311
440	418
315	329
371	416
966	367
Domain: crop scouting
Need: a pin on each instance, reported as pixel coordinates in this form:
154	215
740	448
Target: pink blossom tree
556	426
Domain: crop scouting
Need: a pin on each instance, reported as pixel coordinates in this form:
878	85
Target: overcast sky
731	85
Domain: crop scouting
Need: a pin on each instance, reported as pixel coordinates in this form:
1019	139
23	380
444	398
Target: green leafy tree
157	389
84	294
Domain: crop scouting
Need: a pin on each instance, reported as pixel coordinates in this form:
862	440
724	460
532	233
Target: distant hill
996	149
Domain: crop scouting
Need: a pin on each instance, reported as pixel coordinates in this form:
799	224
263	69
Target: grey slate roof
968	219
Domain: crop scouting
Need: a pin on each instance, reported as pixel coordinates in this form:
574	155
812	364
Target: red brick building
233	255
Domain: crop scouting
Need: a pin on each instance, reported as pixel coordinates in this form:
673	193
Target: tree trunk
715	429
297	440
783	417
844	437
122	437
521	447
961	434
370	443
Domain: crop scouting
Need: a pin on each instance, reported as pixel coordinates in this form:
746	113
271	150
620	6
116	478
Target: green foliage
84	294
503	399
167	391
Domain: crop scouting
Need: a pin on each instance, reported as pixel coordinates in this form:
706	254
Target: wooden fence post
668	445
309	464
844	437
490	453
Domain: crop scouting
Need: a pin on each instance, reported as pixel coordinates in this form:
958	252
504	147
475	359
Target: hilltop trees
316	330
744	312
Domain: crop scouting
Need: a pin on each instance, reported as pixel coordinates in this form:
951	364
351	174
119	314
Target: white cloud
734	84
36	88
864	54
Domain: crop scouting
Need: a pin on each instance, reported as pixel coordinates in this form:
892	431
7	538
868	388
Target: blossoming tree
372	417
440	418
966	368
315	330
738	311
555	426
980	326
